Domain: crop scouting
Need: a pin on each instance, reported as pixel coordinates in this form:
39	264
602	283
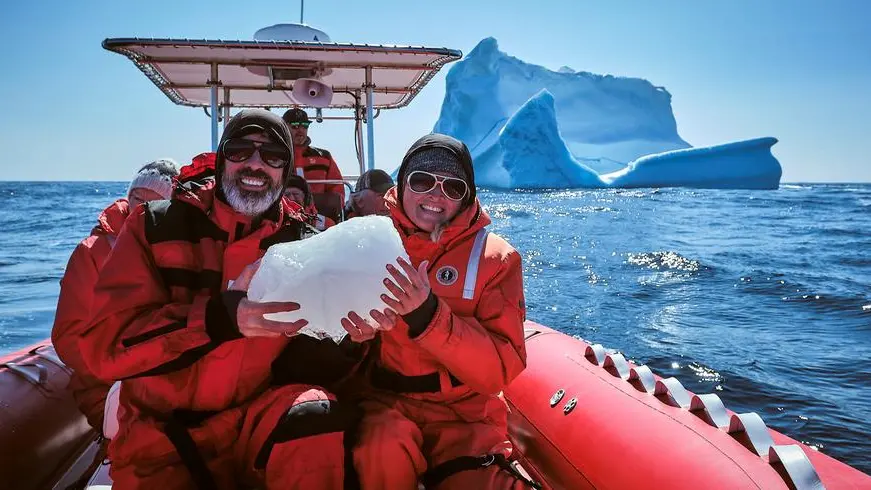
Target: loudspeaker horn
311	92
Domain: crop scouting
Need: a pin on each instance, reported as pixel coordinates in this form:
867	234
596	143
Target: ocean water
763	297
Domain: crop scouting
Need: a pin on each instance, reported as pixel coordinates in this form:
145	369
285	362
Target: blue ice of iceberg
740	165
534	155
530	127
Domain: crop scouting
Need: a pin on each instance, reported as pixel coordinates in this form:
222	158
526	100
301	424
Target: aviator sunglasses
422	182
239	150
299	124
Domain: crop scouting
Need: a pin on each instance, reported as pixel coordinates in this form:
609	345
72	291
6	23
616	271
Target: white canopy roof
261	73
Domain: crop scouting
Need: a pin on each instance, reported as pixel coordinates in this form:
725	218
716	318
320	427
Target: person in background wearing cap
368	196
214	395
310	162
451	338
298	192
154	181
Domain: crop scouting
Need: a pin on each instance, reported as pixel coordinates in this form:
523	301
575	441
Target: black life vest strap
176	430
386	379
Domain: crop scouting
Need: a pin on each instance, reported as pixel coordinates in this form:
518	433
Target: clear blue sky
799	70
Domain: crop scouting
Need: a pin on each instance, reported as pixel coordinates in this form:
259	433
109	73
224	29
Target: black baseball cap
376	180
295	115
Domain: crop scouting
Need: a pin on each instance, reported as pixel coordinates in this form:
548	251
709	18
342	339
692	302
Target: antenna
301	10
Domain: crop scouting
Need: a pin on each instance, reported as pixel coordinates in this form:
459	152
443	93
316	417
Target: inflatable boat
581	416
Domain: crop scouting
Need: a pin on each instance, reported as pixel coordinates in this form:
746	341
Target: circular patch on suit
447	275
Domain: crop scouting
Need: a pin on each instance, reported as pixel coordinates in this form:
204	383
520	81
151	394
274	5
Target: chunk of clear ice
330	274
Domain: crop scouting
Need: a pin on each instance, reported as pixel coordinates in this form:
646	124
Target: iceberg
530	127
740	165
531	140
329	274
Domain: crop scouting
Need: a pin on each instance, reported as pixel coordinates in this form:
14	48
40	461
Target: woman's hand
361	330
410	289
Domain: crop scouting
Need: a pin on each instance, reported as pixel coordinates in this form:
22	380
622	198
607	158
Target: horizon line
4	181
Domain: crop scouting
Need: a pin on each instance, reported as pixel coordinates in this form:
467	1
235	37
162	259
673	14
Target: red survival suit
437	397
311	215
317	164
72	315
201	406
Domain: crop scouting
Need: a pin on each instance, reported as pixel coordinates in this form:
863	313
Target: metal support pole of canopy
358	132
213	84
226	106
370	118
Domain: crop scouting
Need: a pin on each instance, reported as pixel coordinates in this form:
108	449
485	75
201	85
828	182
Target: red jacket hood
197	187
419	244
112	218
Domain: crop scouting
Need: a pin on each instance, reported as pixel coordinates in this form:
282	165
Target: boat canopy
261	73
221	75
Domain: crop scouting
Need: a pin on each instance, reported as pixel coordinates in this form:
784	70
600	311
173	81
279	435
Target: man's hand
410	289
249	318
249	315
244	280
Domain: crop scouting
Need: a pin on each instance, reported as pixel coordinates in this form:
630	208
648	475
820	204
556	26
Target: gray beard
249	203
